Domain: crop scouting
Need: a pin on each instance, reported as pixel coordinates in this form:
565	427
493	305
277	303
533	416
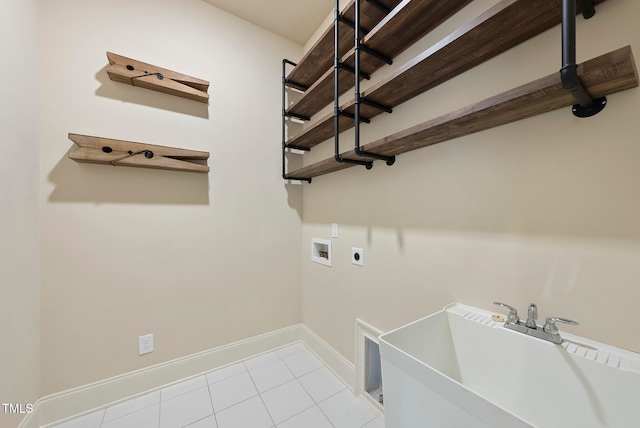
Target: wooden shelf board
402	27
323	128
500	28
320	131
320	94
108	151
604	75
320	57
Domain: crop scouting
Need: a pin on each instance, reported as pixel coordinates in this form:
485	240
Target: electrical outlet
357	256
145	344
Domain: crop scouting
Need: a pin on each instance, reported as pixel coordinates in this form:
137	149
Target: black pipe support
353	116
586	106
587	8
297	116
345	20
292	83
376	54
290	146
296	85
308	180
336	92
352	70
390	160
376	105
366	164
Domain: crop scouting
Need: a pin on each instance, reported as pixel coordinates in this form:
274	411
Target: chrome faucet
551	329
548	332
532	316
513	313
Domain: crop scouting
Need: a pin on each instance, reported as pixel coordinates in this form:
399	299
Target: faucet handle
513	313
550	324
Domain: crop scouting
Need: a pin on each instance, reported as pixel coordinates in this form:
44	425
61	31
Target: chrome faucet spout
532	316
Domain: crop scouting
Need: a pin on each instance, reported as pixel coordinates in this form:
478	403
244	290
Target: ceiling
295	20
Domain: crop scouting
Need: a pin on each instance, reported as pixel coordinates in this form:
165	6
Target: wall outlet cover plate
145	344
357	256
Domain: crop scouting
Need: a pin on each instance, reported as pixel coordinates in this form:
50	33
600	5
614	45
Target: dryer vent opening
369	366
373	371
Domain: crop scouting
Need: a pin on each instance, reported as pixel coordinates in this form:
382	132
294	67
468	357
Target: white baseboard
342	367
97	395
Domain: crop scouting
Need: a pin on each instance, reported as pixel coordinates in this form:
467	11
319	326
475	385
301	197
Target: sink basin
459	368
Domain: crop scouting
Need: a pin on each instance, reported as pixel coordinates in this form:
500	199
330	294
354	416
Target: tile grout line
159	408
215	418
273	424
295	378
104	414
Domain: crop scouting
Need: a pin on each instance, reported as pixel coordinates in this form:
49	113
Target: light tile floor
288	387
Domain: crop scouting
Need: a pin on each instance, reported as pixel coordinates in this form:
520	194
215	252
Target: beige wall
197	260
545	210
19	224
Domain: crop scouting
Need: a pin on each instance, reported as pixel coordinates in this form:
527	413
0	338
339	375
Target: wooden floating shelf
604	75
320	57
500	28
108	151
405	25
136	73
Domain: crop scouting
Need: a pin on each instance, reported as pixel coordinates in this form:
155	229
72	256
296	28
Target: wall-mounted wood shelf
108	151
500	28
406	24
320	57
136	73
607	74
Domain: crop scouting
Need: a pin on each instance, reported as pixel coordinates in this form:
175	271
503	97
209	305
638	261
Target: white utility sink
459	368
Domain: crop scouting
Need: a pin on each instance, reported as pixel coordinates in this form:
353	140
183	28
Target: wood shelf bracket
108	151
136	73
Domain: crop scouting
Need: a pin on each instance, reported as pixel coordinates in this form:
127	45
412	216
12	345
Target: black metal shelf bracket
297	116
341	18
292	83
352	70
390	160
585	105
285	146
285	113
376	54
353	116
308	180
354	25
296	85
376	105
336	92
